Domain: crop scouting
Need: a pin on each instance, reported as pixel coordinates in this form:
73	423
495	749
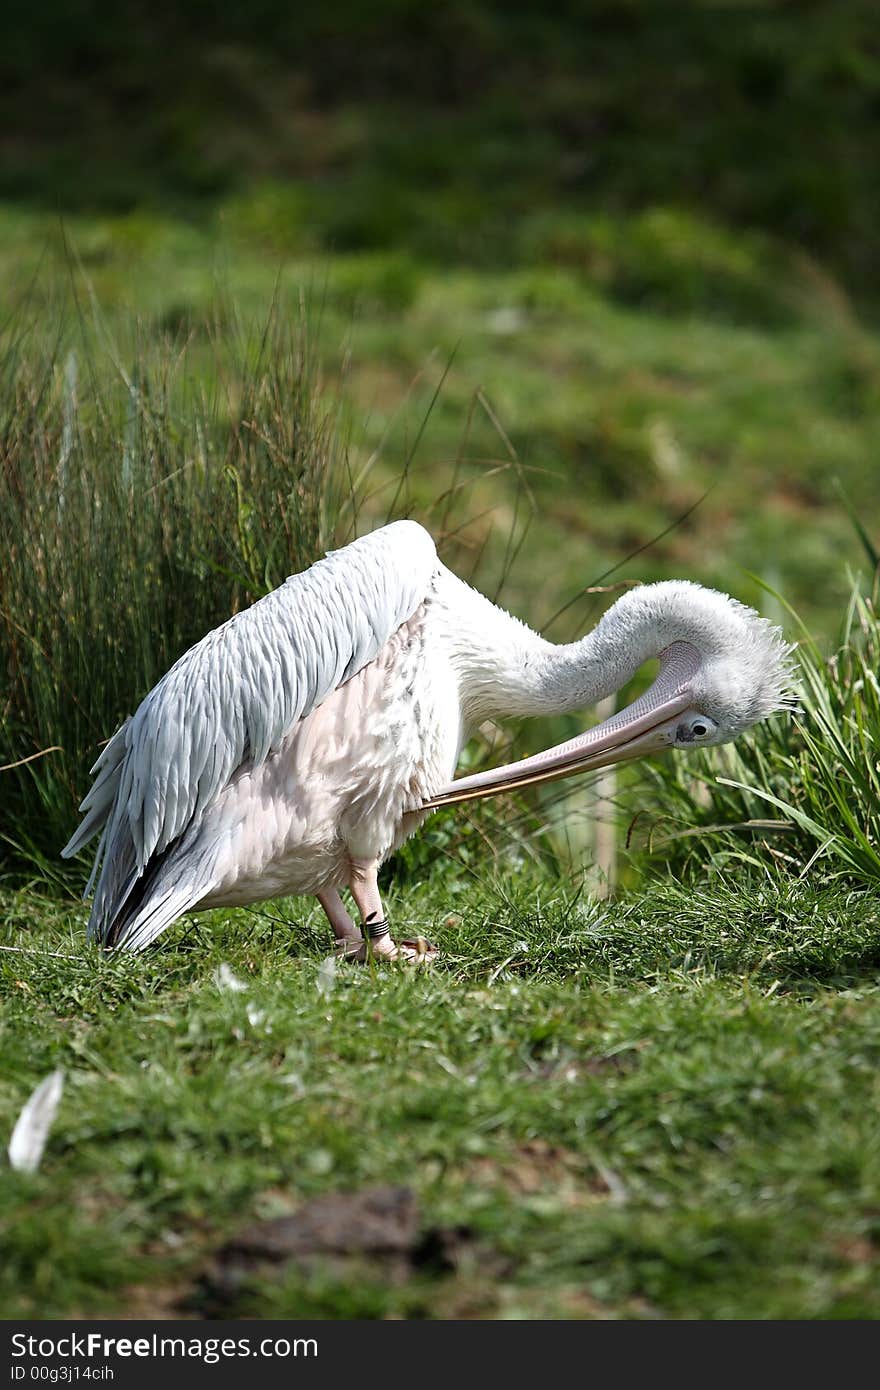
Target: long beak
646	726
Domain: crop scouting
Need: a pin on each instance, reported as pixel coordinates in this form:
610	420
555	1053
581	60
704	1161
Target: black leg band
376	930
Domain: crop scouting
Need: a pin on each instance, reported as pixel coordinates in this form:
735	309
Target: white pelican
293	748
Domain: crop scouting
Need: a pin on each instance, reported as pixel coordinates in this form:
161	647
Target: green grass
380	126
666	1107
802	791
658	1106
704	1050
633	315
623	407
213	436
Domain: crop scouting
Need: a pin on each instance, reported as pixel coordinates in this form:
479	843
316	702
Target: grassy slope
660	1108
446	131
621	414
645	228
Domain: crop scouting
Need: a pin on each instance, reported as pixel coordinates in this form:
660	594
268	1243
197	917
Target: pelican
292	749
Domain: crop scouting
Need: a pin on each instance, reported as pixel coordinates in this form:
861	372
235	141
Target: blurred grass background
646	232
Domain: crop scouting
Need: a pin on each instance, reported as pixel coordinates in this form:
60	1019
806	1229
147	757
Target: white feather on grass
33	1124
326	978
226	979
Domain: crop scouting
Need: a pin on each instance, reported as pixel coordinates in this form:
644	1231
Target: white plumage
294	747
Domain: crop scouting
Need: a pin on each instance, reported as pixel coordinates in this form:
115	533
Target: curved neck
505	668
579	674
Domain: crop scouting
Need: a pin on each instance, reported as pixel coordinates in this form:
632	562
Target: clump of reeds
144	498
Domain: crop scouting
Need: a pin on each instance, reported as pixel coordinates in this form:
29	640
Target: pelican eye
695	730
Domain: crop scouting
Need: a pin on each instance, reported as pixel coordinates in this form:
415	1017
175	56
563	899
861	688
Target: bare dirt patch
378	1230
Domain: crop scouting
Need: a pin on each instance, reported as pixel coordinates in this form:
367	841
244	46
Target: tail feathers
117	881
156	912
132	909
133	904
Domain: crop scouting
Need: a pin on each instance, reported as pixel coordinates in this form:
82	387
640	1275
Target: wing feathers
235	695
97	802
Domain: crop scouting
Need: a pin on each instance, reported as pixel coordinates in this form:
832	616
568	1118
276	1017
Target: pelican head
723	668
731	666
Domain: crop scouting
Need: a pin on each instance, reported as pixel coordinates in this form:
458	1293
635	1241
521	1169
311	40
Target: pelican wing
235	695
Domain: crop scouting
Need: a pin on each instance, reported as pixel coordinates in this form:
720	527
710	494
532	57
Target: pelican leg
365	891
347	933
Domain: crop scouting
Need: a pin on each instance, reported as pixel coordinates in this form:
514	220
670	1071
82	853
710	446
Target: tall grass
801	791
150	492
145	495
